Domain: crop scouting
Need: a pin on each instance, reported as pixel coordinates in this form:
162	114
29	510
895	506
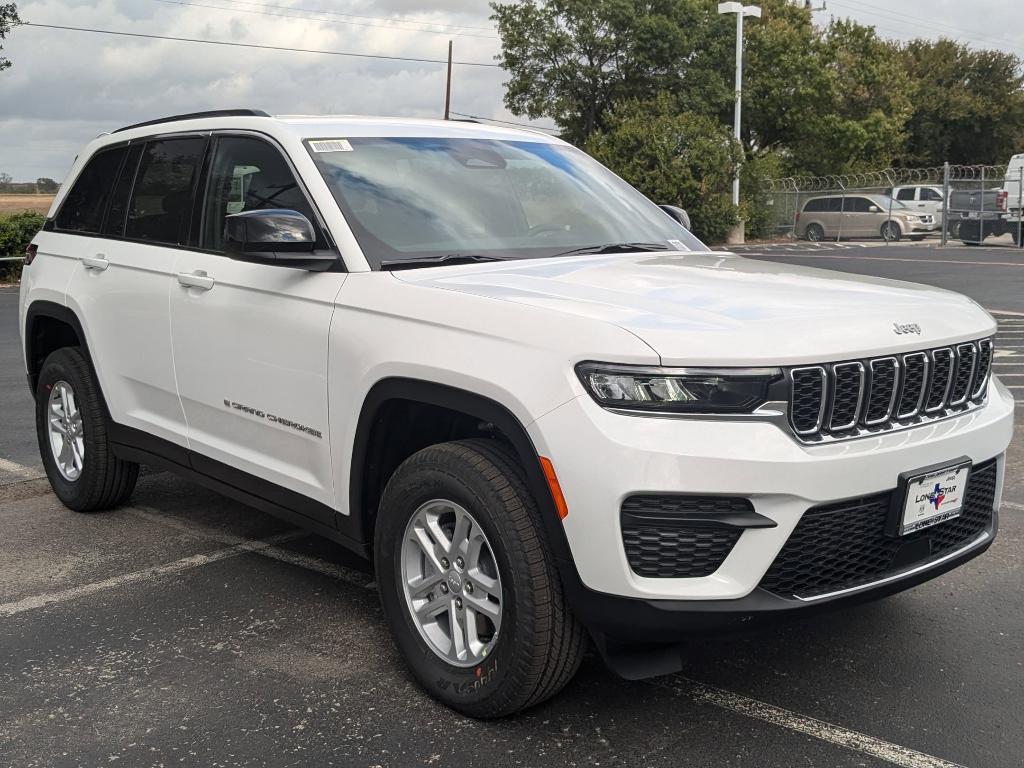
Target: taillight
30	253
1001	200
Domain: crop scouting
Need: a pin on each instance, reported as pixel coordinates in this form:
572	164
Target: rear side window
835	204
905	194
247	174
160	209
86	203
122	190
816	206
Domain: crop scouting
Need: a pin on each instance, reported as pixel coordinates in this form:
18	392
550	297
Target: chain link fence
951	204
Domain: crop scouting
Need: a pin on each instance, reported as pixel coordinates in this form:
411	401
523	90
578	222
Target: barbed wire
888	177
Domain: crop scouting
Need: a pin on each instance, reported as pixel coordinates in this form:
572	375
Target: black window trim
51	223
199	185
319	224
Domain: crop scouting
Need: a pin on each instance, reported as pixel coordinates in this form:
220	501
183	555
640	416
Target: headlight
678	390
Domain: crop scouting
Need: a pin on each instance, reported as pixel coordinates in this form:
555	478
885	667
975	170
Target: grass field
19	203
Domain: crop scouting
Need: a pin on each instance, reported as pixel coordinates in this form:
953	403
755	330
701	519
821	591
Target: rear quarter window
86	203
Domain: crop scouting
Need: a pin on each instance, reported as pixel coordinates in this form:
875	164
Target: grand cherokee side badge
273	419
901	328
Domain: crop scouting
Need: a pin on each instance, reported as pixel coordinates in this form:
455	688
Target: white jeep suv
529	395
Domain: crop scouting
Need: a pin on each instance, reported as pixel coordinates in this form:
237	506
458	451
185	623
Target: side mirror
274	236
875	209
678	214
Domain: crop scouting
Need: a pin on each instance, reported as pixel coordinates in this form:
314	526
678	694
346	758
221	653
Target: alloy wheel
451	582
67	437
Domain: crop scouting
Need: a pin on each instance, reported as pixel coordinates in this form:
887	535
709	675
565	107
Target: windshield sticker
330	145
679	245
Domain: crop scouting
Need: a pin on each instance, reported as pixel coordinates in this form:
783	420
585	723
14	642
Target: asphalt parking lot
187	629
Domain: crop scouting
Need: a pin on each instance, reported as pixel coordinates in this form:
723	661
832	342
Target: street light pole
741	11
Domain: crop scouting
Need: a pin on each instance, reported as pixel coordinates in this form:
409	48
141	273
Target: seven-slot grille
842	400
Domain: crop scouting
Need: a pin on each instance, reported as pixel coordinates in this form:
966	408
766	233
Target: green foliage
673	157
8	20
969	104
821	100
16	232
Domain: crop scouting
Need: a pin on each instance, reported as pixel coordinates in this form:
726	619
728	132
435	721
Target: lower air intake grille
840	546
660	541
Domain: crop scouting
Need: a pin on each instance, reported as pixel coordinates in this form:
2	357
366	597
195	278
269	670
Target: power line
894	17
396	19
284	14
506	122
260	47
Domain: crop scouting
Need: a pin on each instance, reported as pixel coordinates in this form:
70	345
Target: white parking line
1014	505
819	729
146	574
10	469
325	567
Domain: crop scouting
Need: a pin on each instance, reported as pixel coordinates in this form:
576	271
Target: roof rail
198	115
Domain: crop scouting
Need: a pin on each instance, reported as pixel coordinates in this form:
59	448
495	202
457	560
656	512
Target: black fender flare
50	309
479	407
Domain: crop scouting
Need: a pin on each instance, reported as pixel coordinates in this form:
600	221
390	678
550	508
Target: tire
97	480
891	232
969	233
539	644
814	233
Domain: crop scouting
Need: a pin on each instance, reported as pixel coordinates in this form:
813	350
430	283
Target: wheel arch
367	470
48	327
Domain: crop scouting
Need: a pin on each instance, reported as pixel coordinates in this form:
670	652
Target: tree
8	20
969	104
46	186
673	157
572	60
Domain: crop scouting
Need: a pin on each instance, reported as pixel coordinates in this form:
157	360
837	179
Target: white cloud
66	87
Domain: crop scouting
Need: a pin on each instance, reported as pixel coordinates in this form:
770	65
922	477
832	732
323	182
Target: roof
330	126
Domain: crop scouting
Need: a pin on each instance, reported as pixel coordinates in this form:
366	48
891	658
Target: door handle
198	279
97	262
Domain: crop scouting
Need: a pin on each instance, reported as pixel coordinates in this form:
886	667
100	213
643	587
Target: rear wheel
891	232
468	583
815	233
72	431
969	232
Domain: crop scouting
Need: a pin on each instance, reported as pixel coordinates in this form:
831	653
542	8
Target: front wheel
814	233
80	465
468	583
891	232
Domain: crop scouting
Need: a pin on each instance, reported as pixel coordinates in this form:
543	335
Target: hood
712	308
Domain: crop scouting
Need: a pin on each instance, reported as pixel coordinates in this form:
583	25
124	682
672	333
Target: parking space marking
899	258
10	469
324	567
146	574
818	729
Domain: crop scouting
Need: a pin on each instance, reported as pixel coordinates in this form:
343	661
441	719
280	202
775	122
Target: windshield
410	199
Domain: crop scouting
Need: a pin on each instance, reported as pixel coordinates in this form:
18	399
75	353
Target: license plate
932	497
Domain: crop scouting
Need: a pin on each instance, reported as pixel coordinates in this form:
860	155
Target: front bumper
601	458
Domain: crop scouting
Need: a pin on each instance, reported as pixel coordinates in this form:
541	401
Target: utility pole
741	12
448	83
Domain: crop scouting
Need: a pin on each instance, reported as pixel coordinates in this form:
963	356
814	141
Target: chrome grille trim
923	358
838	370
961	350
983	371
823	378
892	397
907	408
933	381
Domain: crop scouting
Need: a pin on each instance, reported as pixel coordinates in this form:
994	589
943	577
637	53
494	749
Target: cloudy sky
66	87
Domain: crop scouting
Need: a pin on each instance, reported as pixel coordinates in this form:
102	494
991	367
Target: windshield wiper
433	261
616	248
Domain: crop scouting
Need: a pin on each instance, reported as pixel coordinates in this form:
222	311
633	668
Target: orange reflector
556	489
